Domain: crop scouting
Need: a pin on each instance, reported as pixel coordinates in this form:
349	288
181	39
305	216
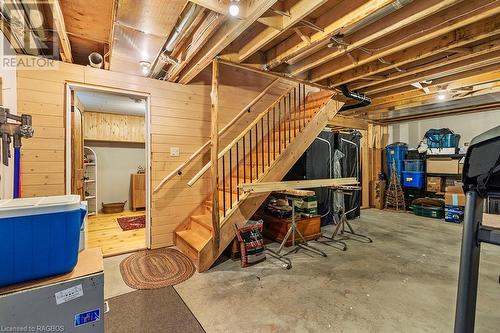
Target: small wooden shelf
90	191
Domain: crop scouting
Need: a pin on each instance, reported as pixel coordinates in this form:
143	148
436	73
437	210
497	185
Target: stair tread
205	219
193	238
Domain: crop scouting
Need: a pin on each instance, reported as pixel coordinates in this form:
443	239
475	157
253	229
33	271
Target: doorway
108	165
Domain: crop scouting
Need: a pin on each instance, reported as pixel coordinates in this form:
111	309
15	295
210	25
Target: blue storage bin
396	151
39	237
413	179
414	165
443	140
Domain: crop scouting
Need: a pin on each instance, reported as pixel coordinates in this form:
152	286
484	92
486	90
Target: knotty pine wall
180	117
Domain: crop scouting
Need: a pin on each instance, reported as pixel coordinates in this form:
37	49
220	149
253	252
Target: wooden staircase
264	152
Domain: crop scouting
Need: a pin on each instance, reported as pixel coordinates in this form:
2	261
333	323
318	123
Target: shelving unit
443	175
90	181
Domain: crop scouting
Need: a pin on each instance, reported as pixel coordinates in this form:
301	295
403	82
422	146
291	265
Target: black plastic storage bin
412	194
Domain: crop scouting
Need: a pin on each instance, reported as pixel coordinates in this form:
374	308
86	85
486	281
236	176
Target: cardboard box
454	214
441	151
454	196
378	193
434	184
442	165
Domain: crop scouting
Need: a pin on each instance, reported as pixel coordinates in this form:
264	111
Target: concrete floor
403	282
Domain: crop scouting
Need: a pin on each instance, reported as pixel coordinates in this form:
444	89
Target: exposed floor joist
226	34
465	24
442	71
296	13
486	80
343	15
408	15
457	38
414	69
65	46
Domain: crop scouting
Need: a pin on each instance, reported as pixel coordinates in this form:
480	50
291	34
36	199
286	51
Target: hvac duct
362	98
377	15
95	60
166	54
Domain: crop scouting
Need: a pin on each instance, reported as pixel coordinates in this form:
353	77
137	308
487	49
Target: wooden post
365	171
214	151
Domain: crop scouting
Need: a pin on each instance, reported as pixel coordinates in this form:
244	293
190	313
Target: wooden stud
214	150
61	31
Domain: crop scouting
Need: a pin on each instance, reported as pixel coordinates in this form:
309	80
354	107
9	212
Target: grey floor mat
155	310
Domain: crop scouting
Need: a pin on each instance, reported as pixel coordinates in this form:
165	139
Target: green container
426	211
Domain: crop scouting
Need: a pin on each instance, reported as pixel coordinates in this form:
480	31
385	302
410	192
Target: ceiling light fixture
441	95
234	7
145	67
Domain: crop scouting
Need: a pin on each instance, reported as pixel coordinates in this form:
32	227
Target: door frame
69	86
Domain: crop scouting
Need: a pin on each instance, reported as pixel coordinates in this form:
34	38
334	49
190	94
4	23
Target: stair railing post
214	152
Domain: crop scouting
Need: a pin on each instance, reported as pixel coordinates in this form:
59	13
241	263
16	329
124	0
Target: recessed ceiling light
234	8
441	95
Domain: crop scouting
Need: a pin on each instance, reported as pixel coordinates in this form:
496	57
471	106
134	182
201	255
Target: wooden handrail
178	170
233	142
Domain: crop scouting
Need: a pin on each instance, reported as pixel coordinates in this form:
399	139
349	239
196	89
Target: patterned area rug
132	222
151	269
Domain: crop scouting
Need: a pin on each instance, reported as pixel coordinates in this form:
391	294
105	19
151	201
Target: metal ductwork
362	98
165	55
96	60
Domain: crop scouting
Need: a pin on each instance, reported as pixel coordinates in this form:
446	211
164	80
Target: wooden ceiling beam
226	34
423	101
340	17
483	74
447	59
348	122
489	75
445	70
297	12
457	38
65	46
463	110
401	18
200	37
456	18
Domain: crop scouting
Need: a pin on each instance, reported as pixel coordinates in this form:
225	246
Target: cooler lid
38	205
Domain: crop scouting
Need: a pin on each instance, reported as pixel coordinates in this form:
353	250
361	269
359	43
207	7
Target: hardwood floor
104	231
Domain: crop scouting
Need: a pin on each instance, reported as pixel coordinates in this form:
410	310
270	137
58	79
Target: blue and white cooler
39	237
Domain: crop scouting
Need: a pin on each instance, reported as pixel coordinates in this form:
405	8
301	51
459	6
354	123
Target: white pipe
95	60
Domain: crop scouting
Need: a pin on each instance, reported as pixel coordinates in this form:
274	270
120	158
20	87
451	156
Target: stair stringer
248	205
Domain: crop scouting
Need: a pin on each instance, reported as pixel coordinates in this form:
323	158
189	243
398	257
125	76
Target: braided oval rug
152	269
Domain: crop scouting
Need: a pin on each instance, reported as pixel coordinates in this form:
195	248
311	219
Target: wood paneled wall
180	117
101	126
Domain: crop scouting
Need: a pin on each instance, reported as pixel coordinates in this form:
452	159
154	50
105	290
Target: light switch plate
175	151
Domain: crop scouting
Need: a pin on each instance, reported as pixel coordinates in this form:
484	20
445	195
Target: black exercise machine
481	177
